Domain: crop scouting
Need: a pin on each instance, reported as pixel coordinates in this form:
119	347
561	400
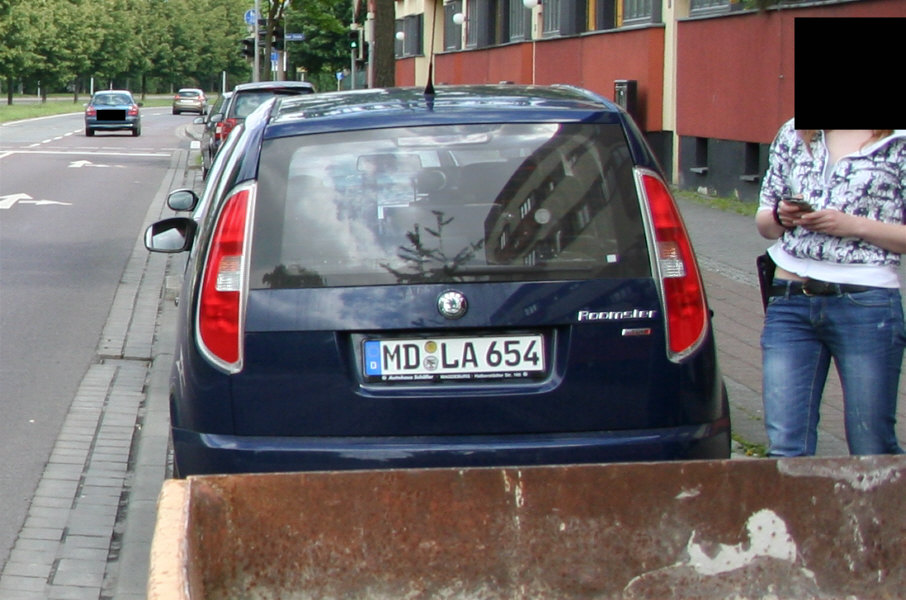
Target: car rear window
112	99
184	94
245	103
463	203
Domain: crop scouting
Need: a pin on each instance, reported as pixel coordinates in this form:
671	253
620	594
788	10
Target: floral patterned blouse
869	183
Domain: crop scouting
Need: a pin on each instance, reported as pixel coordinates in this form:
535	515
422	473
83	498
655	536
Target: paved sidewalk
88	531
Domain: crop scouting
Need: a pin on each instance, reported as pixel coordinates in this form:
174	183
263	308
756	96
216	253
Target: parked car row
233	107
461	276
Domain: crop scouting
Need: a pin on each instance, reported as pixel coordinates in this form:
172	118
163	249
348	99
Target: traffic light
248	47
278	37
357	43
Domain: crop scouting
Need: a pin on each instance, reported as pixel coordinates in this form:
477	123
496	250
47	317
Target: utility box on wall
625	94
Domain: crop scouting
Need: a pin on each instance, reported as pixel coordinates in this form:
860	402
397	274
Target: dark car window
245	103
447	204
218	105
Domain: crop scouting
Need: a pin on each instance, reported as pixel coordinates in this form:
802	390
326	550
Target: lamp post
532	5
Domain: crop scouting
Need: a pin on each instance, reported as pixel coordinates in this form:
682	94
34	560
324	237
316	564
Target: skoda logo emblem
452	304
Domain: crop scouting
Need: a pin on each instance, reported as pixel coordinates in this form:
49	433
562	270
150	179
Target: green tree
17	43
325	49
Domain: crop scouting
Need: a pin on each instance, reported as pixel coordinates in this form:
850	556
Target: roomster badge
452	304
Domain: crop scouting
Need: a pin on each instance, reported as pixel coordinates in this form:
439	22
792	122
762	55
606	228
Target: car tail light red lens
220	303
133	110
684	297
228	125
91	111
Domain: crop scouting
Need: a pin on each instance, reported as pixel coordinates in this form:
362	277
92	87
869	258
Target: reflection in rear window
468	203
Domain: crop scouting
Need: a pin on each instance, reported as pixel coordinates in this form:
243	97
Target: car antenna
429	87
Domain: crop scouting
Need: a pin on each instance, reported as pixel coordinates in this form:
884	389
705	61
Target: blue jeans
863	333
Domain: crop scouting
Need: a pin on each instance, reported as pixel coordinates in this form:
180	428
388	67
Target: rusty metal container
740	529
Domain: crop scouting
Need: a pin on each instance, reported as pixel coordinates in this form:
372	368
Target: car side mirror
199	120
171	235
216	118
182	200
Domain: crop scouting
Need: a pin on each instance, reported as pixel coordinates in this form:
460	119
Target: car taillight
222	288
91	111
684	297
228	125
133	110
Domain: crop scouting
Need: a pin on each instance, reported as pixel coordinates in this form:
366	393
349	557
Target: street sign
251	16
294	37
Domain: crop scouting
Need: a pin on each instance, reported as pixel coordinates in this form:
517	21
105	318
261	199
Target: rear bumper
196	108
112	125
197	453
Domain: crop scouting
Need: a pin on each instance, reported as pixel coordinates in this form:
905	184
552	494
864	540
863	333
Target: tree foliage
324	51
154	46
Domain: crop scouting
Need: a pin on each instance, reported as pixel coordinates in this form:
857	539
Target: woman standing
835	201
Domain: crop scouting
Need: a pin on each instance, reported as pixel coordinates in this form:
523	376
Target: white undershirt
870	275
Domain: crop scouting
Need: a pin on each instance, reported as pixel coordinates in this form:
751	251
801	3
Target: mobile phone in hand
801	204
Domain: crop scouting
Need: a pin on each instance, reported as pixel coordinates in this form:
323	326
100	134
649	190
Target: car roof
274	85
190	90
448	104
381	108
102	92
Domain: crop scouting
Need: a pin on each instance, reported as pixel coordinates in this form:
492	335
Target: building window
551	17
471	27
637	11
610	14
565	17
752	168
700	164
452	31
519	21
605	14
707	6
411	27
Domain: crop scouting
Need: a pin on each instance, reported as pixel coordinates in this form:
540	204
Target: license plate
511	356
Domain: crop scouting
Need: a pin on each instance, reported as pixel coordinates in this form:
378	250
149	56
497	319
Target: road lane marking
7	201
94	152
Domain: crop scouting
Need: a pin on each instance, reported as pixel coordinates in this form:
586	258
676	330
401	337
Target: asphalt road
71	208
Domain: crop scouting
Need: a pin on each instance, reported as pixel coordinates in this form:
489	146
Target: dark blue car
472	276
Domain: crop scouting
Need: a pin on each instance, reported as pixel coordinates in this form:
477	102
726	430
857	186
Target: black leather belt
816	287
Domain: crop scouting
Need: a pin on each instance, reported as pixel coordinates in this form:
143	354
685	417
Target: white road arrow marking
7	201
77	164
10	199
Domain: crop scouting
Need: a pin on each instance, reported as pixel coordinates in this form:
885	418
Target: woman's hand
830	222
772	224
890	236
